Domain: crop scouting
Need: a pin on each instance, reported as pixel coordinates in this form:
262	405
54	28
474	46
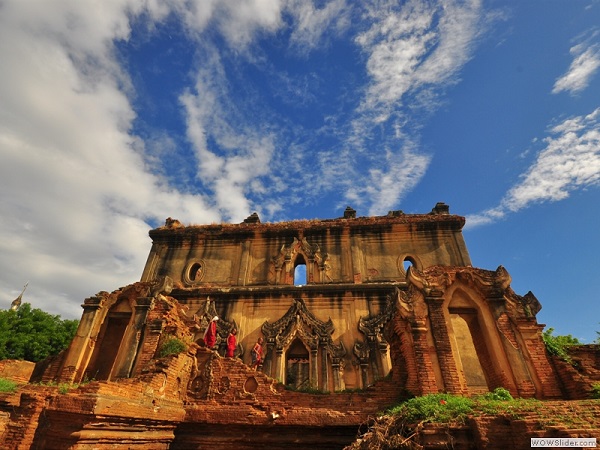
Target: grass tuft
7	385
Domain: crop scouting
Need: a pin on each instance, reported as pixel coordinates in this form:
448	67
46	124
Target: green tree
33	334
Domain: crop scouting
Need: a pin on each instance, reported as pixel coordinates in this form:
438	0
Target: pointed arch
112	334
472	345
298	324
297	365
300	270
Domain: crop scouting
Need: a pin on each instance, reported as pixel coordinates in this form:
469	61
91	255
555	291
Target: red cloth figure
256	353
210	335
231	343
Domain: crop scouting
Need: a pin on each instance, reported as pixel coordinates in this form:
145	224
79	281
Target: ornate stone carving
361	351
161	286
223	385
287	255
375	349
200	378
372	327
297	320
531	305
434	281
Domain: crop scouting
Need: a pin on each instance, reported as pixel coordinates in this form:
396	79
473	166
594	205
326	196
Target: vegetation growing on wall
171	346
32	334
7	385
402	424
558	345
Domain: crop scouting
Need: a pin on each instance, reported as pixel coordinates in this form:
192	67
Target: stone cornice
325	290
413	222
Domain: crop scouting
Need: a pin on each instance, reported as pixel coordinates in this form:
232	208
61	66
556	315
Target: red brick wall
15	370
544	370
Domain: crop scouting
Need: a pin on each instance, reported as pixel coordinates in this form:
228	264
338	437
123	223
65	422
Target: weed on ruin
7	385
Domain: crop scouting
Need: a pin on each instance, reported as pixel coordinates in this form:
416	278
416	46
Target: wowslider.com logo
564	442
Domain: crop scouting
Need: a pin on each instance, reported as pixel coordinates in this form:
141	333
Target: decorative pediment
298	321
434	281
288	252
361	351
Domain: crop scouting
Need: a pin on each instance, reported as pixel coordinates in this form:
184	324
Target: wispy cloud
313	22
76	194
415	45
570	161
413	50
79	189
404	168
239	21
586	61
231	150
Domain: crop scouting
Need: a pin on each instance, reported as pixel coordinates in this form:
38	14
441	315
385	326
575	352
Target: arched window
300	275
196	272
407	263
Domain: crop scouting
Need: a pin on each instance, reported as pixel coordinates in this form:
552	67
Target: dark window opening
195	272
297	373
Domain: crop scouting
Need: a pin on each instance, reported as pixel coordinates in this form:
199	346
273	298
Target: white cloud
586	61
411	48
414	50
312	22
78	191
416	45
569	161
238	155
75	192
401	174
239	21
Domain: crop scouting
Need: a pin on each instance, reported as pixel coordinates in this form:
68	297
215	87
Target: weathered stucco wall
346	250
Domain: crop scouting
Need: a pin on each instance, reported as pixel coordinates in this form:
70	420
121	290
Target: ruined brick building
383	307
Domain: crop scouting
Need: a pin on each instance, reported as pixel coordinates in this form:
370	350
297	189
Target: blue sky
117	114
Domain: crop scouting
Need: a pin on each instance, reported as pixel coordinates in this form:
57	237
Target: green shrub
558	345
448	408
596	390
7	385
498	394
171	346
439	408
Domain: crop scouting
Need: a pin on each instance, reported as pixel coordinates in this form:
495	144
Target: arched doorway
463	323
109	343
472	355
297	365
